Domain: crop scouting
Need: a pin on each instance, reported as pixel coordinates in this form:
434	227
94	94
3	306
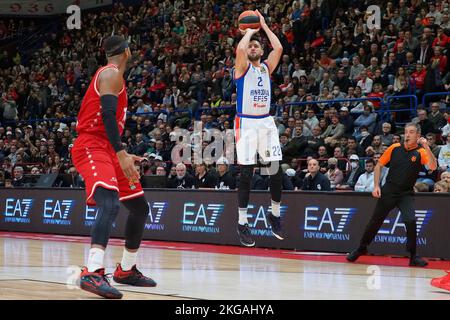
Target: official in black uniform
405	162
314	179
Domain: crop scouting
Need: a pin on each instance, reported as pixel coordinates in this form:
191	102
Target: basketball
248	20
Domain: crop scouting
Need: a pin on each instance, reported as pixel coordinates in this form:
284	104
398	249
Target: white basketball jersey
254	91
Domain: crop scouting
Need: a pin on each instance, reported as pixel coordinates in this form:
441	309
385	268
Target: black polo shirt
404	165
318	183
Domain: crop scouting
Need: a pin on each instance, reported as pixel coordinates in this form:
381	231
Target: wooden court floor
46	267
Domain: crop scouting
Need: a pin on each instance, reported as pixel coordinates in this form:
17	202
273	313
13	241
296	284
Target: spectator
334	174
386	136
446	128
367	118
424	53
225	180
444	155
377	144
439	59
431	137
314	142
333	132
296	146
160	171
352	177
441	187
347	120
19	180
425	124
203	178
353	147
365	181
356	69
310	122
365	83
75	179
182	180
421	187
341	160
436	116
326	82
445	176
315	180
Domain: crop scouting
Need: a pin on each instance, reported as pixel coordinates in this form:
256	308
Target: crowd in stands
181	72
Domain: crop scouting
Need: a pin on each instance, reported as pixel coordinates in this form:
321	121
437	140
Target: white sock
95	260
128	260
276	208
243	216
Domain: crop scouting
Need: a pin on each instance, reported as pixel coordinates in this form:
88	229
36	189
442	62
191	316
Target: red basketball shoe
132	277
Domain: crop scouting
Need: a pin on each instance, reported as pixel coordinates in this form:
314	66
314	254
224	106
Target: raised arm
242	62
428	158
274	56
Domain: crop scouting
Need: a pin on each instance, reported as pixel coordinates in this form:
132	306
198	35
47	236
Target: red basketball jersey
90	115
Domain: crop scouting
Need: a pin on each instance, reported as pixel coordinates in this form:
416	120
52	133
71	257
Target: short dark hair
114	45
370	161
352	138
255	38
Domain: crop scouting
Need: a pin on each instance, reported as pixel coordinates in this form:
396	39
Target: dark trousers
392	198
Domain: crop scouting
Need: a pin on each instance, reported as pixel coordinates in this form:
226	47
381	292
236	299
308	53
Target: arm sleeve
109	109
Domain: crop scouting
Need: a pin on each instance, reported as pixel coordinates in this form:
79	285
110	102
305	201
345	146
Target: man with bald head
314	179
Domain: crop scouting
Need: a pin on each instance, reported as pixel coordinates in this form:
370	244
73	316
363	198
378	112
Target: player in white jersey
255	129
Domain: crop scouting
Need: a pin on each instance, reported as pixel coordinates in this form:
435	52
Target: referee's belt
250	116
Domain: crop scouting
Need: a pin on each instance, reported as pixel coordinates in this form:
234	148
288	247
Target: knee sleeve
108	206
244	185
276	184
138	212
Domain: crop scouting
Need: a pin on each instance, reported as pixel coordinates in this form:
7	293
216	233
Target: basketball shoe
97	282
275	223
244	235
132	277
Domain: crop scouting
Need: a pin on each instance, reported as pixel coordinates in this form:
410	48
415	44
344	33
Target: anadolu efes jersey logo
18	210
57	211
257	219
199	217
155	213
394	231
327	223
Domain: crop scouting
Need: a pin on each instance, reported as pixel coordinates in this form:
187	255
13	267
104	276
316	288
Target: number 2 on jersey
260	82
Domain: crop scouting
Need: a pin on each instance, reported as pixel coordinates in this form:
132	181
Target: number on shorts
276	151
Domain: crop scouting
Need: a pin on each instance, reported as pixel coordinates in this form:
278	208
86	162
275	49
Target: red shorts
97	163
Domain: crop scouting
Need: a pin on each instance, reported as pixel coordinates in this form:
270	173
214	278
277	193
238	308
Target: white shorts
256	135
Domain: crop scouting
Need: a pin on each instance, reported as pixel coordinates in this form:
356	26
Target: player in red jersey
109	173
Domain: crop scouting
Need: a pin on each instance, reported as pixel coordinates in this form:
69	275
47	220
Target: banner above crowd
45	7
